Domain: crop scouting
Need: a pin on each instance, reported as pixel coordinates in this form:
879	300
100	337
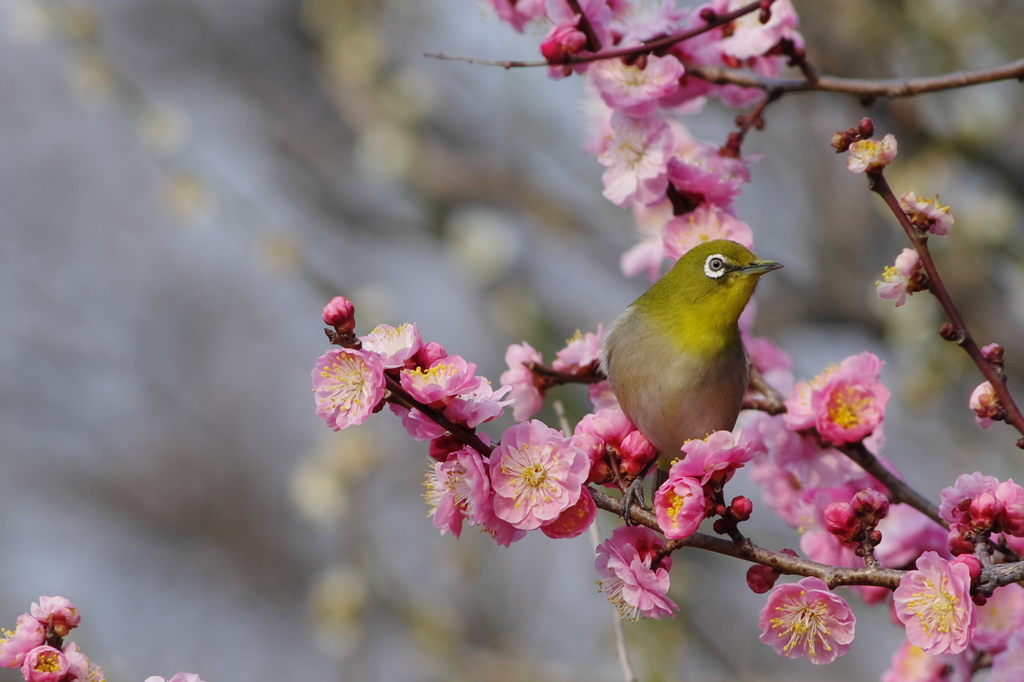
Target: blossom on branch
871	155
910	663
536	474
527	398
29	634
986	405
348	385
704	224
934	604
635	153
624	564
458	488
680	506
635	90
897	278
806	620
927	215
396	346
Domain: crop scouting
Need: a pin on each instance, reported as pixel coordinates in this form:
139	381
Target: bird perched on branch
674	357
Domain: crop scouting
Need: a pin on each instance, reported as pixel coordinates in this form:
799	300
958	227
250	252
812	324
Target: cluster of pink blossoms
681	190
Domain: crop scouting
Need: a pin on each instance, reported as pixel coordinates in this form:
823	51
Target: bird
674	357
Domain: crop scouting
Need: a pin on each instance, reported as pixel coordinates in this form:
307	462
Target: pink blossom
348	385
636	157
28	635
179	677
680	506
750	38
633	90
445	378
897	277
44	664
536	474
601	396
564	39
594	434
910	663
527	398
981	503
698	171
1000	616
927	214
704	224
648	255
503	532
80	668
643	21
517	13
781	492
1008	664
1011	497
575	520
58	612
396	346
418	425
716	457
457	488
624	564
806	620
871	155
934	603
429	353
906	534
955	500
340	314
581	351
479	405
986	405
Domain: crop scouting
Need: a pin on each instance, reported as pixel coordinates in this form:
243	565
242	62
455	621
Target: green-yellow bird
674	357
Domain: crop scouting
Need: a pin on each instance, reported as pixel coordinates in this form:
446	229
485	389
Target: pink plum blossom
58	612
610	428
340	314
80	668
635	156
624	564
986	405
563	40
648	254
457	488
896	278
934	604
1000	616
536	474
871	155
910	663
906	534
396	346
643	21
445	378
601	396
1008	664
634	90
581	351
44	664
806	620
927	214
503	532
981	503
716	457
704	224
28	635
479	405
526	396
575	520
179	677
751	38
348	385
418	425
680	506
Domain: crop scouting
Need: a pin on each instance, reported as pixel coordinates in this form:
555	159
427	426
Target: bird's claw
634	494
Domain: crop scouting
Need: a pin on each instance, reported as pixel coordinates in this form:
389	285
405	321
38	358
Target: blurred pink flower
910	663
633	90
998	618
28	635
636	158
927	214
719	455
1008	664
580	351
806	620
896	277
705	223
58	612
527	398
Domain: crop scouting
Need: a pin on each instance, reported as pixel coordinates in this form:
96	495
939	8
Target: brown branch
773	402
899	491
466	436
919	239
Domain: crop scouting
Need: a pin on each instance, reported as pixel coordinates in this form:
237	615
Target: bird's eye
714	266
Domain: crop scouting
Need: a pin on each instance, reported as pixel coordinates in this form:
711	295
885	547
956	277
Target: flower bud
993	352
841	521
741	508
709	15
866	127
761	578
948	331
870	505
45	664
340	314
973	565
429	353
636	452
985	510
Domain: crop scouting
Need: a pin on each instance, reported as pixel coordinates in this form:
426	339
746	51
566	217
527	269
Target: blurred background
185	183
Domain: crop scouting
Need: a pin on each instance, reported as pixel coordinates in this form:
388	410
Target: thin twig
919	239
899	491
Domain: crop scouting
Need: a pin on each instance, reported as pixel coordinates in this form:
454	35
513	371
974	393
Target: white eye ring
714	266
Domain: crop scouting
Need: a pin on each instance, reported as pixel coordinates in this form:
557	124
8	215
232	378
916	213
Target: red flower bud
340	314
841	521
761	578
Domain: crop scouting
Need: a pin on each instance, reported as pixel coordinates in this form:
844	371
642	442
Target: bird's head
707	288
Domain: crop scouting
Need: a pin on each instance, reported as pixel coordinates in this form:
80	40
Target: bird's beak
759	267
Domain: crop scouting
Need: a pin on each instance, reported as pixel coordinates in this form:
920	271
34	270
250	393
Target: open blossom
983	503
911	664
927	214
536	474
580	351
897	277
526	396
635	157
575	520
717	456
1007	664
44	664
680	506
624	564
706	223
348	385
457	488
479	405
934	603
28	635
648	254
445	378
750	38
845	403
633	90
871	155
179	677
394	345
806	620
610	428
986	405
1000	616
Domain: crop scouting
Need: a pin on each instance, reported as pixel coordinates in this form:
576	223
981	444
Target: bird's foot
634	494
